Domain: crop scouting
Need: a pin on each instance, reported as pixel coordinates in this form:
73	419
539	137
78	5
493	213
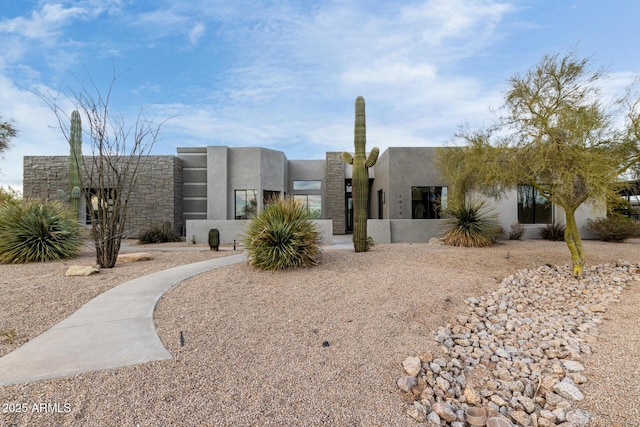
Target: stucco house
219	187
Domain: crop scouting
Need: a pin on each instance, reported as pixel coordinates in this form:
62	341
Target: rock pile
517	351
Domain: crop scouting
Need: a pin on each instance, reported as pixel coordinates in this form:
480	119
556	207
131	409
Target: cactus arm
347	158
62	195
373	157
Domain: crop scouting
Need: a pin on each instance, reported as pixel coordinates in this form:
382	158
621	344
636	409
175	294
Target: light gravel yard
253	349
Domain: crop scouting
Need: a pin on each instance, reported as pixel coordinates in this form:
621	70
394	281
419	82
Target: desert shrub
553	231
9	195
517	231
471	225
282	236
499	234
370	242
158	234
38	231
614	228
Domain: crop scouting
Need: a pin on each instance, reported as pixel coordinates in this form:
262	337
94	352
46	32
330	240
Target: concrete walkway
112	330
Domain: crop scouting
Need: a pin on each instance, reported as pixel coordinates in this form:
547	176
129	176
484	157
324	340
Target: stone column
335	192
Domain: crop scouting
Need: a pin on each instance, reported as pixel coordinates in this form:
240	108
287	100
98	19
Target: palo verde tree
7	131
555	135
110	173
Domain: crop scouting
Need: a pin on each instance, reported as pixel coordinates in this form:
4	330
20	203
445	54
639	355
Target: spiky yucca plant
471	225
282	236
38	231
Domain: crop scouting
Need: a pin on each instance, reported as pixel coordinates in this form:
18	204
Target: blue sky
284	74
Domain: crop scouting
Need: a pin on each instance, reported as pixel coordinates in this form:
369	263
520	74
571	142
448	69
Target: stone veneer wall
335	192
156	198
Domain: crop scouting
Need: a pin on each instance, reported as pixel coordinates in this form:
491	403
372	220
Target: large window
533	208
246	203
307	185
428	202
313	203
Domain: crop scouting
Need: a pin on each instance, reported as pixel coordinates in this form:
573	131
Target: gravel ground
319	346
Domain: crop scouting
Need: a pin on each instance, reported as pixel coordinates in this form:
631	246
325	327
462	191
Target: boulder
81	270
135	257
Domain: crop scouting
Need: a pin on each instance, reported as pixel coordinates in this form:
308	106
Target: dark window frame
427	202
250	206
540	209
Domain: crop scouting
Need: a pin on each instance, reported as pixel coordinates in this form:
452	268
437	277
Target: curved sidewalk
112	330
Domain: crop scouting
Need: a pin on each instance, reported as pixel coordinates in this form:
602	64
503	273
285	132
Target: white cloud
443	20
196	32
44	23
389	73
38	133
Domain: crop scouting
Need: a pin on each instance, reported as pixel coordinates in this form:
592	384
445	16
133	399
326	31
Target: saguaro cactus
360	178
214	239
75	157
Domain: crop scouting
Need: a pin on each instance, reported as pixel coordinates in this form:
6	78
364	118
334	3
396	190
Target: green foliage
471	225
7	131
193	239
554	232
614	228
9	196
282	236
214	239
556	135
360	176
517	231
38	231
158	234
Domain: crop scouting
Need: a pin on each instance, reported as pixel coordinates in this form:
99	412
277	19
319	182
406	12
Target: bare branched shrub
118	151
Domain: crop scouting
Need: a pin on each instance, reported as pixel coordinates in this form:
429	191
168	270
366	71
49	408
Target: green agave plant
34	231
471	225
282	236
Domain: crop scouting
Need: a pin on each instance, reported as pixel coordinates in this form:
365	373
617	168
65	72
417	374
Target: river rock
407	383
471	396
521	418
572	366
444	411
521	346
412	366
567	389
578	417
418	412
